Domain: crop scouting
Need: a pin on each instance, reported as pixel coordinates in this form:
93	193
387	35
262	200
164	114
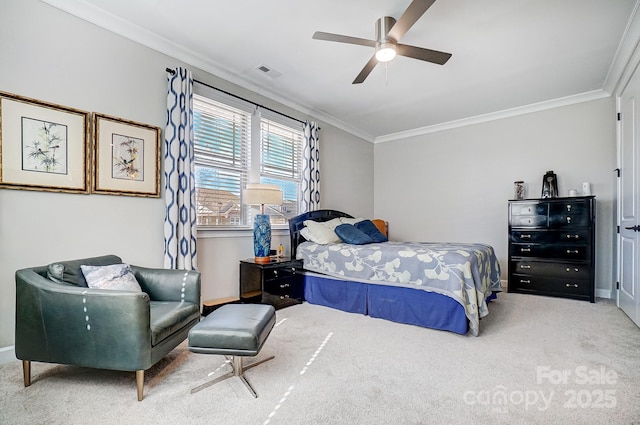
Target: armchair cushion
69	271
114	276
167	317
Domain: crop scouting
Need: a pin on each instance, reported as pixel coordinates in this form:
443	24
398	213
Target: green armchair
59	319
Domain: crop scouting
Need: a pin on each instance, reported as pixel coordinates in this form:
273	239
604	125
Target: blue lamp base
262	238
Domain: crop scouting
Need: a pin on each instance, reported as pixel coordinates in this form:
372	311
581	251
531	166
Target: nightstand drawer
279	273
291	286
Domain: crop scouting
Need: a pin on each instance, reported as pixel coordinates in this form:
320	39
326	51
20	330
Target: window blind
223	146
222	149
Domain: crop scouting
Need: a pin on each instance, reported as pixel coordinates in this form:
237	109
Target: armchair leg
140	383
26	372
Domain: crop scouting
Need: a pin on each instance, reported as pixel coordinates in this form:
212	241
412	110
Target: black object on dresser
279	282
552	247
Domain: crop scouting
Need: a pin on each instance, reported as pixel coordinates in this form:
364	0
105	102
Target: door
628	197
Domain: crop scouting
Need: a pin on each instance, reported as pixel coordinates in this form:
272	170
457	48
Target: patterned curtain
311	168
180	190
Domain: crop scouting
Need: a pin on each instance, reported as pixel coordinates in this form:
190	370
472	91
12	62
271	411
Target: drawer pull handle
284	285
573	237
293	269
524	281
572	251
575	269
571	285
525	249
568	207
525	266
525	236
275	272
568	219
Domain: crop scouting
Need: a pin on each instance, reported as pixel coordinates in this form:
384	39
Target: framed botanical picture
43	146
126	158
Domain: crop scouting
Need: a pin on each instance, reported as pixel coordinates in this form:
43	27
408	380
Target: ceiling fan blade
428	55
415	10
319	35
366	70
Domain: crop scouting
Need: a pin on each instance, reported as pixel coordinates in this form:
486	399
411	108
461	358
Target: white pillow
115	276
333	223
320	233
345	220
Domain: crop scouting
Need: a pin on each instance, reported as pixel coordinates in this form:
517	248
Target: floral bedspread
466	272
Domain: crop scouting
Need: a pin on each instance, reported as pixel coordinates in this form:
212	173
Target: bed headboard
296	224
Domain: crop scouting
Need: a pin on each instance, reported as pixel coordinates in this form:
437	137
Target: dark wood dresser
552	247
279	282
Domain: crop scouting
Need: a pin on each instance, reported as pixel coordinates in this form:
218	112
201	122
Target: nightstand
279	282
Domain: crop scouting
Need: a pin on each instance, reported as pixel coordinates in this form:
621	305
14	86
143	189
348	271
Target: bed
444	286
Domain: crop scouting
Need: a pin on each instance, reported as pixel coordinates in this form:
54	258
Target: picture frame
43	146
126	157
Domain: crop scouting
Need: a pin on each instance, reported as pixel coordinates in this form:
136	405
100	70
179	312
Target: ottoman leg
238	370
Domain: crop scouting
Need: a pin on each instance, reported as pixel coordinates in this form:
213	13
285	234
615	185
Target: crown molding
128	30
618	73
626	57
507	113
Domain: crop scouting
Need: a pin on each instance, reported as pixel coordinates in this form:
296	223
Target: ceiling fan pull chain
386	74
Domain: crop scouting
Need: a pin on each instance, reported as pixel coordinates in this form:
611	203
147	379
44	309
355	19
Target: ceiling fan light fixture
386	52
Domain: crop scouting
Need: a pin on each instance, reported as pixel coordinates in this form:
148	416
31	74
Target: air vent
268	71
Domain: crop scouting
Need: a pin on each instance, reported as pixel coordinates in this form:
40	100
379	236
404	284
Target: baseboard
7	354
603	293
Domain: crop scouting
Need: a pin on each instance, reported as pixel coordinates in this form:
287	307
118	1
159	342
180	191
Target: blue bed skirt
397	304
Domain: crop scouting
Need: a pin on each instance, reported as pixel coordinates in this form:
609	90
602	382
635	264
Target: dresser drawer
569	213
556	251
577	236
562	270
549	285
529	208
528	214
529	221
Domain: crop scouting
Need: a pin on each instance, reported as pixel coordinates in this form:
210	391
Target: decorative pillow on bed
352	235
370	229
346	220
115	276
333	223
319	233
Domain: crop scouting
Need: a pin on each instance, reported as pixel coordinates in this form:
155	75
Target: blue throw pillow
368	228
350	234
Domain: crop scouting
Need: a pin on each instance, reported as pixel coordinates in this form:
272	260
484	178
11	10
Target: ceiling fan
388	33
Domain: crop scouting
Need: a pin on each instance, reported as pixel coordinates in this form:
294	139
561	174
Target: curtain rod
172	72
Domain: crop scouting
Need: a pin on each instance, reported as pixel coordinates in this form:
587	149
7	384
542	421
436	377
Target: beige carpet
537	360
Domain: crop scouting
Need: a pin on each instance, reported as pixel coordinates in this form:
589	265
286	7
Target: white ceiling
506	53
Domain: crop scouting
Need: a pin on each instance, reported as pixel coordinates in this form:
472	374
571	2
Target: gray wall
454	185
52	56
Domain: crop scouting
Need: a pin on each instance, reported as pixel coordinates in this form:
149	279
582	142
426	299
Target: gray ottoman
235	331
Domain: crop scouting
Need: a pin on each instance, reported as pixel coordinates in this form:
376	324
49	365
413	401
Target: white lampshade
261	194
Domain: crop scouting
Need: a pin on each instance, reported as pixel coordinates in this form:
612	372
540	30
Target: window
236	144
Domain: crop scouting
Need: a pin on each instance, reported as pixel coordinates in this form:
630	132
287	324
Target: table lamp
261	194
